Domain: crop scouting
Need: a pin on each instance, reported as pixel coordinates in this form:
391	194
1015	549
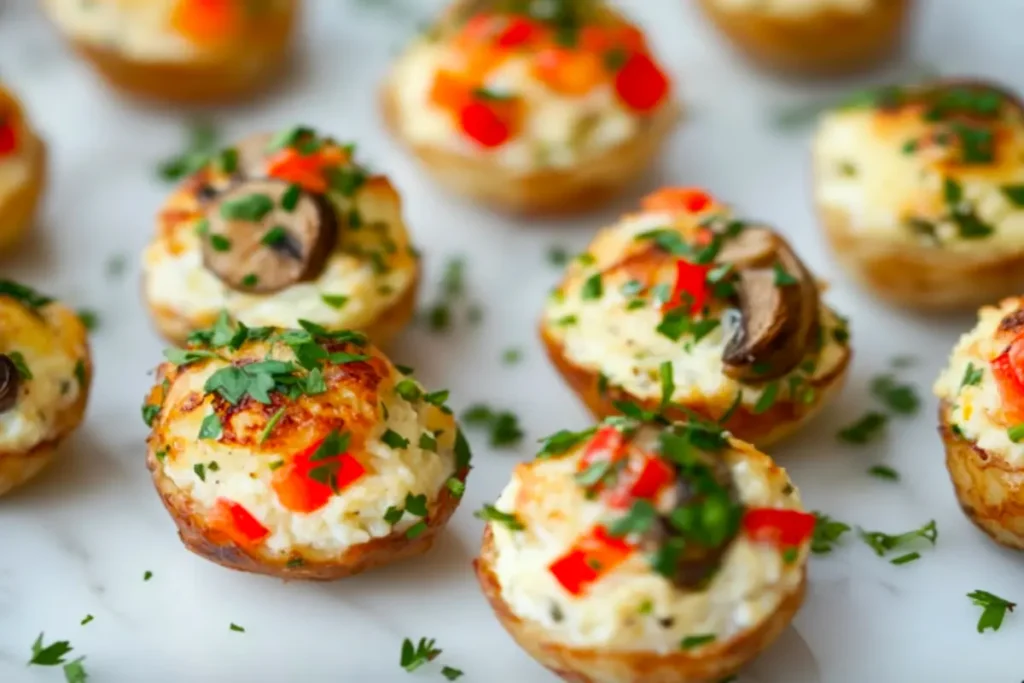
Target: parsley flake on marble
994	609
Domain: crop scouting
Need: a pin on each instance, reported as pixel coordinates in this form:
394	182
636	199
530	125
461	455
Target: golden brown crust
309	565
586	186
710	664
176	328
223	77
826	43
18	467
990	491
782	419
919	276
18	208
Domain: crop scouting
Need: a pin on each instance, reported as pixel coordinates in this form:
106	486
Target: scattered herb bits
994	609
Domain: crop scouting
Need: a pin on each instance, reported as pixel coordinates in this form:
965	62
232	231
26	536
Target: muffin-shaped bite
45	371
981	420
532	106
22	170
920	191
683	307
813	37
632	552
302	453
181	50
282	228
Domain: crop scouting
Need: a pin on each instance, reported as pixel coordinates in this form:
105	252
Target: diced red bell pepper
645	477
690	286
483	123
590	558
8	138
237	523
690	199
1007	369
300	492
477	29
519	32
607	444
641	84
778	526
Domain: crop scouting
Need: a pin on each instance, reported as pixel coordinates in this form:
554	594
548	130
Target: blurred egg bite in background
813	37
181	50
300	453
920	190
22	170
645	552
532	106
683	307
981	420
45	373
280	228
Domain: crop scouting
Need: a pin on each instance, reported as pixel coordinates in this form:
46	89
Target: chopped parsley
211	428
1014	193
865	429
899	398
827	533
252	207
638	520
691	642
394	440
884	472
502	425
49	655
592	288
20	364
147	575
561	441
489	513
558	256
783	278
90	319
994	609
451	673
149	413
415	656
235	627
1016	433
511	356
23	294
905	559
972	376
276	235
202	145
86	619
271	423
882	543
455	486
334	300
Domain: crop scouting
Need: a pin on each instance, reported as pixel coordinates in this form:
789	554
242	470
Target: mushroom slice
9	381
265	235
778	320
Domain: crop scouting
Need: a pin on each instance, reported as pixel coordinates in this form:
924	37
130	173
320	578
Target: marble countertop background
79	540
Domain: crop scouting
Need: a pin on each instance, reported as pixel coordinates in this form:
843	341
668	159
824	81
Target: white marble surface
78	540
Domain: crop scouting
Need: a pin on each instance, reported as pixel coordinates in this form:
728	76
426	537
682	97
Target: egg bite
813	37
300	453
282	228
664	553
187	51
530	108
920	191
45	372
22	170
682	308
981	420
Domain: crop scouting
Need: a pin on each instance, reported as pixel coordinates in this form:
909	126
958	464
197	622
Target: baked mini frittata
22	170
682	306
981	417
634	551
182	50
280	228
45	372
921	191
300	453
522	104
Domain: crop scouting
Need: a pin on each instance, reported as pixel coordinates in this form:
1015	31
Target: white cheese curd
977	408
632	608
862	171
138	30
53	387
558	131
351	517
176	279
798	8
624	344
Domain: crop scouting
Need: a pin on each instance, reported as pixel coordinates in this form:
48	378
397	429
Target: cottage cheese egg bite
45	372
181	50
300	453
645	552
535	106
682	307
813	37
282	228
22	170
981	417
920	190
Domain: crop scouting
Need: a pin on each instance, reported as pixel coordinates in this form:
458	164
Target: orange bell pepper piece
1008	368
207	22
689	199
450	91
569	72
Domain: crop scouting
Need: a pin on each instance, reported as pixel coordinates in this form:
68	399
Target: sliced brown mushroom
253	243
778	303
9	383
